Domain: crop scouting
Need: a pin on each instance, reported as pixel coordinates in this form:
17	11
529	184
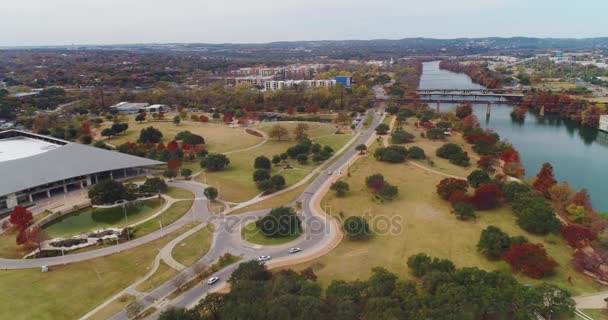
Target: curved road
320	232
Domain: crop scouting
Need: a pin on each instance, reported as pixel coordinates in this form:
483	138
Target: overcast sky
60	22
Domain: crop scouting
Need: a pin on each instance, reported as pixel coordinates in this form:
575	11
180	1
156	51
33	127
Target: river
577	153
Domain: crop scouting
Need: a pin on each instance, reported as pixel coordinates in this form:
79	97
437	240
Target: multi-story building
276	85
604	122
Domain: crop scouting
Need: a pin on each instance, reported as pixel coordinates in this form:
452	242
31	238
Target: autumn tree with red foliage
488	163
173	164
578	236
463	110
545	180
375	182
529	259
447	186
469	122
487	196
228	117
172	146
34	237
458	196
85	128
510	155
20	218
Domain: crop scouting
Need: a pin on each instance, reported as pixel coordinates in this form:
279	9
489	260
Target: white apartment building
277	85
604	122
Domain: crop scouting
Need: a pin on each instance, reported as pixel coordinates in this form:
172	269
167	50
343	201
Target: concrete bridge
496	93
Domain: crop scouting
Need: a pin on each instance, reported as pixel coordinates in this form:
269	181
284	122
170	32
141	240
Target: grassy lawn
218	137
89	219
194	247
430	146
601	314
600	100
179	193
114	307
419	221
275	201
70	291
162	274
557	85
252	234
172	214
236	181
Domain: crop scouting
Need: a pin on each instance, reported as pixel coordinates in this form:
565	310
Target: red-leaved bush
529	259
487	196
578	236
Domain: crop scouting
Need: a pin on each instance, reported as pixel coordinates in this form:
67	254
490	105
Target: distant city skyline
66	22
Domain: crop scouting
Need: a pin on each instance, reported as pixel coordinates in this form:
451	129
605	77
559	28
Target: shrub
435	134
454	153
356	228
478	177
449	185
487	196
340	187
388	192
401	136
578	236
421	264
392	154
375	182
464	211
530	259
280	222
416	153
493	242
150	135
382	129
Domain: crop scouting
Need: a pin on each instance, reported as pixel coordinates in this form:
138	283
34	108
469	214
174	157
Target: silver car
294	250
212	280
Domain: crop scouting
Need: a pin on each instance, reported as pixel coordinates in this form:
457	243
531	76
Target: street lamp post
124	209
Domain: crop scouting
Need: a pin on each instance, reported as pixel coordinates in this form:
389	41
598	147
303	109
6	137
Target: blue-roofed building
346	81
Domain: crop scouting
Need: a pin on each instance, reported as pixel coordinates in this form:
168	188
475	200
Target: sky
66	22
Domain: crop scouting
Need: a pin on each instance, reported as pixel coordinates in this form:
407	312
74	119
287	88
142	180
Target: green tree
464	211
340	187
150	135
108	192
186	173
493	242
210	193
382	129
278	182
280	222
557	301
140	117
262	162
356	228
361	148
249	271
416	152
170	173
261	175
177	120
478	177
388	192
215	162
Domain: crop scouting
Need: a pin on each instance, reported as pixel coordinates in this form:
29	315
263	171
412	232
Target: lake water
577	153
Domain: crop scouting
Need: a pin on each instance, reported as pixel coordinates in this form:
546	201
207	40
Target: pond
576	152
89	219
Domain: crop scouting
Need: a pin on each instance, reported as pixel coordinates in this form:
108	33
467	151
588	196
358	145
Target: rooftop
29	160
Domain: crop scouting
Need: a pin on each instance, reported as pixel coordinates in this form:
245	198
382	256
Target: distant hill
379	48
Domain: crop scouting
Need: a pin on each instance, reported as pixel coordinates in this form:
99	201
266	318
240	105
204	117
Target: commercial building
35	167
277	85
346	81
129	107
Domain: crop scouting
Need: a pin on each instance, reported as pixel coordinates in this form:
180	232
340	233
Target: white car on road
263	258
294	250
212	280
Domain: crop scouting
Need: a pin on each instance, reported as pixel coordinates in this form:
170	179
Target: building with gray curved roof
34	166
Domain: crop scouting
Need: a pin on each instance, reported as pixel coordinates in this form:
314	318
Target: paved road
318	231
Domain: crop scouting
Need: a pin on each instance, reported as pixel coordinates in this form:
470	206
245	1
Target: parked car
212	280
329	173
294	250
263	258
